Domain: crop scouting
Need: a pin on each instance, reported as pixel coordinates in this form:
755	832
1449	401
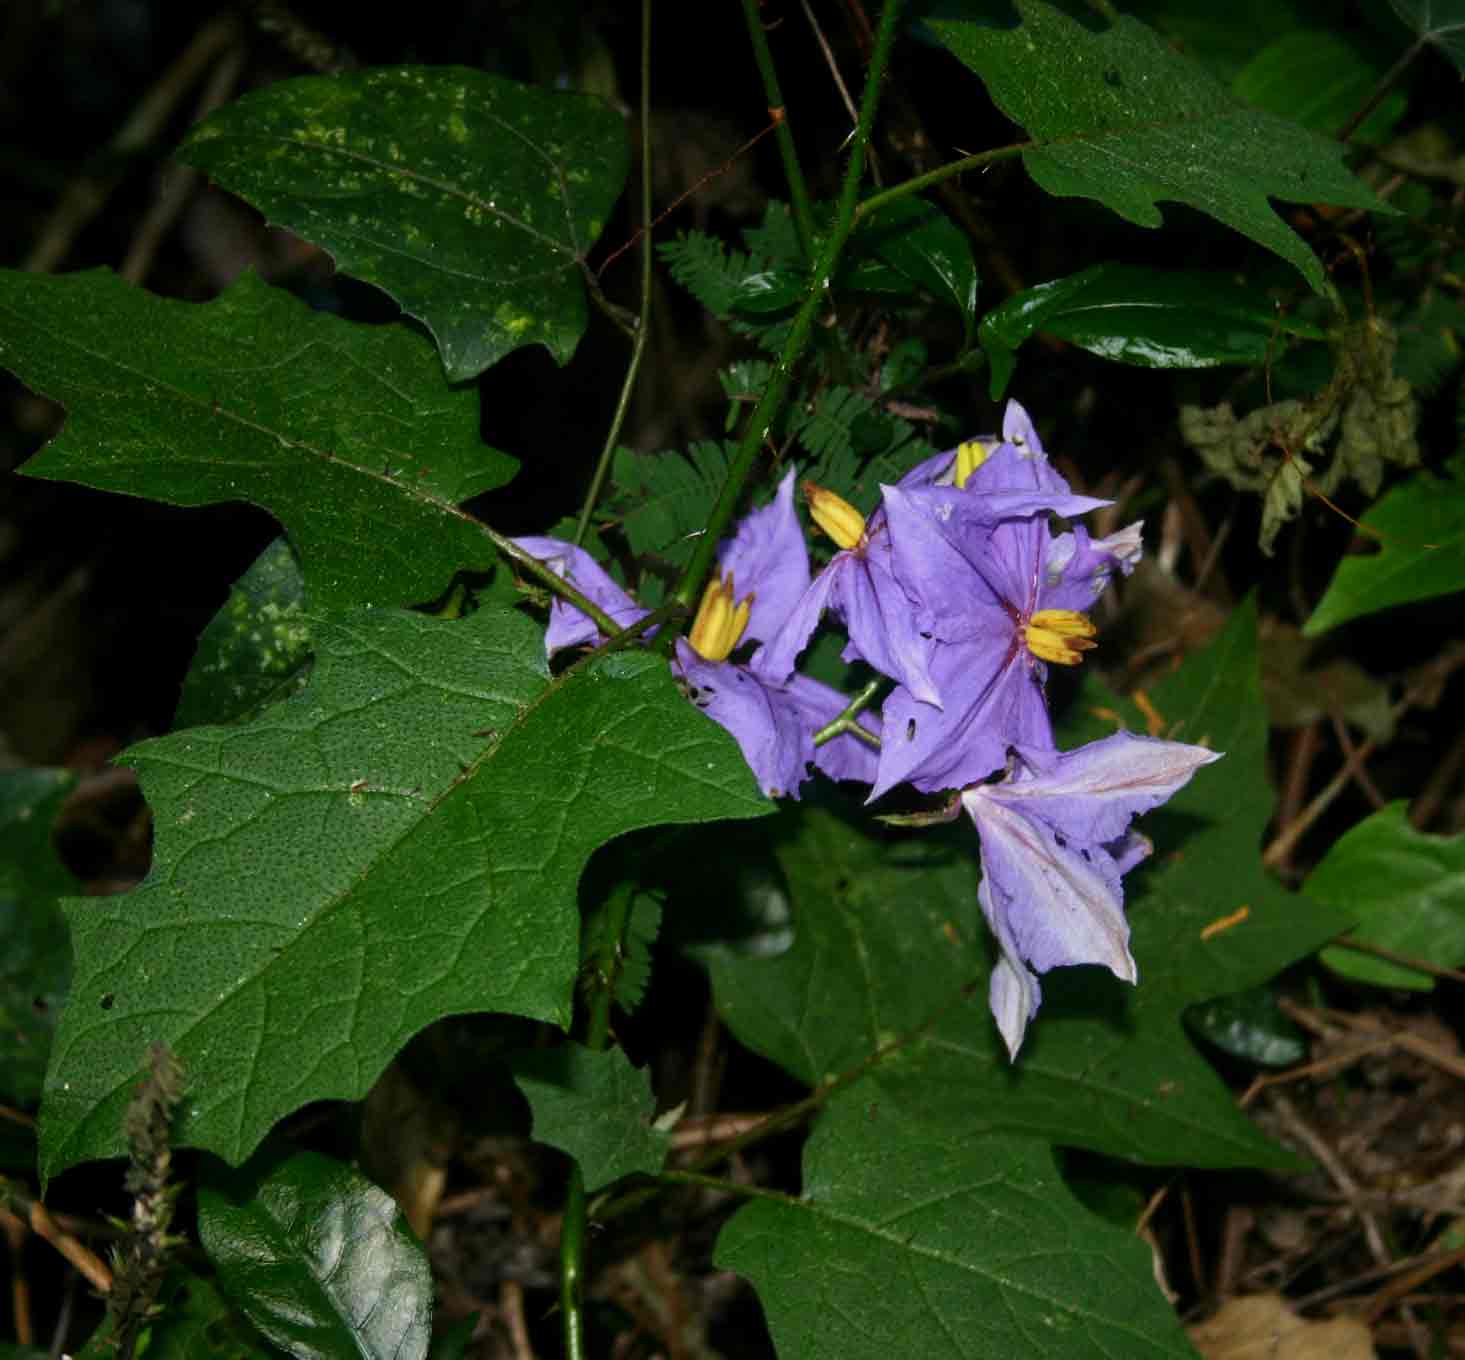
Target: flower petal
1050	902
767	724
1014	996
1089	796
568	627
994	698
767	556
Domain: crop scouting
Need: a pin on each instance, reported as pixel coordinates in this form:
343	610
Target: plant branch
919	183
793	172
755	431
848	721
643	316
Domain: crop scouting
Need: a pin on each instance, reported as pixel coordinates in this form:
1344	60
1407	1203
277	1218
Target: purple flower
1055	842
1001	596
763	571
885	624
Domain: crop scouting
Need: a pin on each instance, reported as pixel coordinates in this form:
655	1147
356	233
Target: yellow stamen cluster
1060	635
719	624
835	515
969	457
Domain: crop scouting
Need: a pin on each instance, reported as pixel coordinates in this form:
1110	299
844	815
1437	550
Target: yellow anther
835	515
969	457
719	624
1060	635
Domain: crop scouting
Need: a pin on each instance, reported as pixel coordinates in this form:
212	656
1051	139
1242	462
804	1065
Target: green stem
848	720
557	584
798	189
738	1188
689	588
643	318
572	1264
906	188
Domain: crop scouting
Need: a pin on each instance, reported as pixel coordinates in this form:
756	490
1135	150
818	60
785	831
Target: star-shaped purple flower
1055	843
1001	597
763	571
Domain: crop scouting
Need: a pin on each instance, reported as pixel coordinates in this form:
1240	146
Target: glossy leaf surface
318	1258
472	200
1152	318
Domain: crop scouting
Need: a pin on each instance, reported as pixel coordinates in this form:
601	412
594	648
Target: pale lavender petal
886	628
1129	850
766	723
1014	996
930	566
846	756
994	698
936	470
1090	795
776	658
1079	568
568	627
768	557
1050	902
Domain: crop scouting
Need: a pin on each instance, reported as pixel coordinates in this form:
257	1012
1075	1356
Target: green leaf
1121	117
1250	1026
194	1322
471	199
1317	78
889	939
400	842
920	242
255	650
594	1106
345	433
1420	528
1406	890
318	1258
1438	22
1154	318
919	1240
35	951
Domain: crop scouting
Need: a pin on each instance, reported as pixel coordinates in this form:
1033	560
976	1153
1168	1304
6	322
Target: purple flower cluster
957	589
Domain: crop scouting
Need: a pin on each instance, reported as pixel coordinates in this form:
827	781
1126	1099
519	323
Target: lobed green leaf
347	434
472	200
1121	117
400	842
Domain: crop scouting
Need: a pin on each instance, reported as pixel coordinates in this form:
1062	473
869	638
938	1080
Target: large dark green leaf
889	937
1155	318
1121	117
913	1239
471	199
400	842
1406	890
318	1258
35	951
1420	535
594	1106
347	434
921	243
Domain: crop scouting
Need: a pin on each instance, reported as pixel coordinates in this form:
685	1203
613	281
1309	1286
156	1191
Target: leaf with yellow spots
472	200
